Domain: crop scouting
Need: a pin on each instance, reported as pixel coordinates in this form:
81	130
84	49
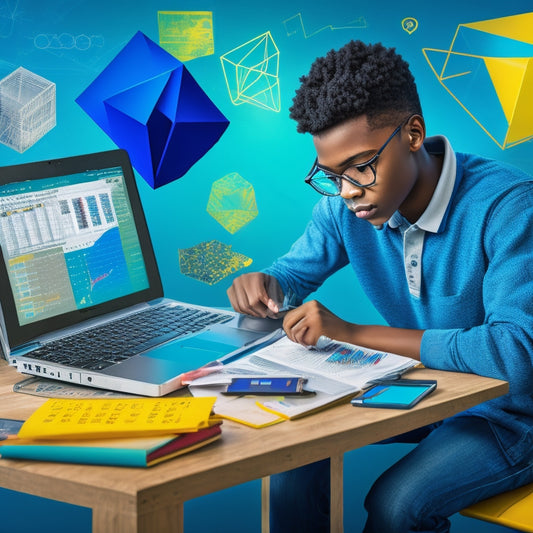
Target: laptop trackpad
200	349
169	360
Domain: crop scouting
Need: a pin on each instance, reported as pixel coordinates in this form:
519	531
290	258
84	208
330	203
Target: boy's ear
416	128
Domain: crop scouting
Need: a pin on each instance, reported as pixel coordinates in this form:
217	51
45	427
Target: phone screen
402	394
270	385
397	394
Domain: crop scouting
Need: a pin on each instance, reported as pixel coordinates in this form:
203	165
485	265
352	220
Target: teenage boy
442	243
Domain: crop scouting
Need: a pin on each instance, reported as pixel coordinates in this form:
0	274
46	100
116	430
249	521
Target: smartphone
267	385
396	394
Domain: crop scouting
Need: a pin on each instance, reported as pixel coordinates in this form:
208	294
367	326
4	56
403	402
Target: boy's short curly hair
358	79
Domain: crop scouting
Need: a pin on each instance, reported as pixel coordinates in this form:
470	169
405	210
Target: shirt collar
434	214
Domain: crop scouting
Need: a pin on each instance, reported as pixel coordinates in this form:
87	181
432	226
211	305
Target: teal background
261	145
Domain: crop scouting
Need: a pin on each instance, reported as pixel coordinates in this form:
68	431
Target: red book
136	451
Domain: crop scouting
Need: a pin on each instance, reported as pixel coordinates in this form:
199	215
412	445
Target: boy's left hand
307	323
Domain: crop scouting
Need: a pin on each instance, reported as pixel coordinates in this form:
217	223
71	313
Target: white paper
333	371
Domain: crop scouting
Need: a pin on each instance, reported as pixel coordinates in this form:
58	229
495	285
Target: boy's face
353	142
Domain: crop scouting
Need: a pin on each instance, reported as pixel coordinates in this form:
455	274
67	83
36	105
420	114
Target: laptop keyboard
116	341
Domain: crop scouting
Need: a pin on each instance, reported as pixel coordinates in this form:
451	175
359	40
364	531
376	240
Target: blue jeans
456	463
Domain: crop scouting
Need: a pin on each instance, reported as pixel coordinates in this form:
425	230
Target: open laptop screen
73	240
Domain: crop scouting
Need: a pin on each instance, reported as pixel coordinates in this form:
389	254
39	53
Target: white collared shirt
431	219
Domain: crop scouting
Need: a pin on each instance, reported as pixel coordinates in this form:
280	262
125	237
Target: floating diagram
211	261
27	109
232	202
488	69
251	72
295	24
186	34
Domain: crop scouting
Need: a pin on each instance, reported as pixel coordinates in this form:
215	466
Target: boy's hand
307	323
256	294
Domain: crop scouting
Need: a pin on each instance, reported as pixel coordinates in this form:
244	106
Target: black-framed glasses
361	175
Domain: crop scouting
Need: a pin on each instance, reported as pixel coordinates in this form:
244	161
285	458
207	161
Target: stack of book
136	432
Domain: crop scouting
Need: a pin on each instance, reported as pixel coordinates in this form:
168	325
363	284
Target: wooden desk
130	500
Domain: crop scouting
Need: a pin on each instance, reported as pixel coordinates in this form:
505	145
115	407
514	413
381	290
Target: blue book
134	452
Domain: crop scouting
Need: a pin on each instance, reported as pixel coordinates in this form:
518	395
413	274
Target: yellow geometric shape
488	69
232	202
252	73
506	74
521	128
211	261
516	27
186	34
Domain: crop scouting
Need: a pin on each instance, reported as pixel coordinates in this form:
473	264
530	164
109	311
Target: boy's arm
307	323
388	339
501	346
312	258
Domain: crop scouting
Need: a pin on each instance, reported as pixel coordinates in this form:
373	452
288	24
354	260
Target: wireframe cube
27	108
252	73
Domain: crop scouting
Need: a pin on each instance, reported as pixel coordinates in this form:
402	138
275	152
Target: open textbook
334	371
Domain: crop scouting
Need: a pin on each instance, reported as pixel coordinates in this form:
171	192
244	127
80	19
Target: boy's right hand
256	294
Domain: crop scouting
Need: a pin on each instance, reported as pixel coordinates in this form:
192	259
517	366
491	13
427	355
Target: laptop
80	291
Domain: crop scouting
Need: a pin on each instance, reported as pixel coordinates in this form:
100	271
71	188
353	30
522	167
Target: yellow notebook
115	417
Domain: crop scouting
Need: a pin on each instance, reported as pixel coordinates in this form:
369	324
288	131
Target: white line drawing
8	16
295	23
67	41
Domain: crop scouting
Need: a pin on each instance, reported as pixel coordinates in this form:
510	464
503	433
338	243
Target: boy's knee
385	513
400	508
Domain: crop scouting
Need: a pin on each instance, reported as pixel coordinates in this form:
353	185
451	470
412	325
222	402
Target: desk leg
337	495
265	505
167	519
115	515
336	517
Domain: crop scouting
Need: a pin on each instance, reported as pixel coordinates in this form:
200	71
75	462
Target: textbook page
334	371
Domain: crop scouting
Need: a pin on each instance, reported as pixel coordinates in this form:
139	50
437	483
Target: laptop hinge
23	349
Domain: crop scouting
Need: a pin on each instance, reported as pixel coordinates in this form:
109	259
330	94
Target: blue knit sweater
476	301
